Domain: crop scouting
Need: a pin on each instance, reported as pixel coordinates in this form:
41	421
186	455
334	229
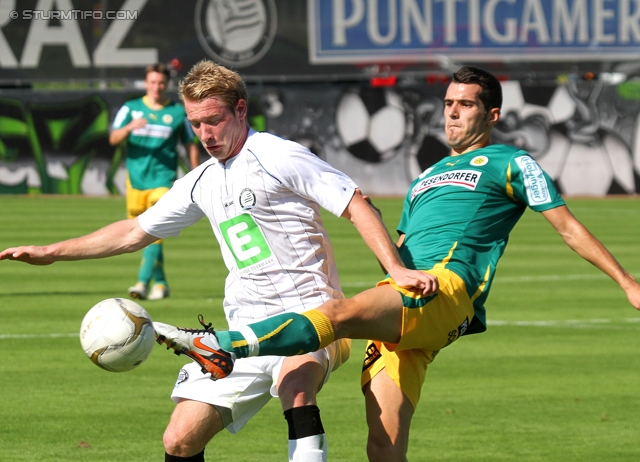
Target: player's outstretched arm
578	237
374	233
117	238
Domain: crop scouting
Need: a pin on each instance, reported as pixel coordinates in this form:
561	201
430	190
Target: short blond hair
207	79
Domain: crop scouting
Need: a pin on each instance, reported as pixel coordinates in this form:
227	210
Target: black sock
197	458
303	421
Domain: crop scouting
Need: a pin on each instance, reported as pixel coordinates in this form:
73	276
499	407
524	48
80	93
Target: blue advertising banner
361	31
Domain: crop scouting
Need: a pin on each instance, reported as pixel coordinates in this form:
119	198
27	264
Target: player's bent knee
180	444
299	392
299	381
338	311
346	316
185	438
382	449
175	445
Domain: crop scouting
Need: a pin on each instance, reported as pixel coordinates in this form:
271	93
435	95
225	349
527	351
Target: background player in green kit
152	127
455	226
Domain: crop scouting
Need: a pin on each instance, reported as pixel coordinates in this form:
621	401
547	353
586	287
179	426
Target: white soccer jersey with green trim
264	208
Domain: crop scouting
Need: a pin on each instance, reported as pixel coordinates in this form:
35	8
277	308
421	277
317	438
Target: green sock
149	262
287	334
158	269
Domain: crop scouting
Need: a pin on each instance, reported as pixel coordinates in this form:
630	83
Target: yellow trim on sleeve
508	187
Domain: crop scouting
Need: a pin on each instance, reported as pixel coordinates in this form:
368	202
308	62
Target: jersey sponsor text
464	178
154	131
534	181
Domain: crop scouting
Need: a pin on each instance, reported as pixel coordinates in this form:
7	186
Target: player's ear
493	116
241	109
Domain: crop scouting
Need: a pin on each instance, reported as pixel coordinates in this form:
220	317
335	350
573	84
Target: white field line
616	324
584	323
516	279
626	323
550	277
31	336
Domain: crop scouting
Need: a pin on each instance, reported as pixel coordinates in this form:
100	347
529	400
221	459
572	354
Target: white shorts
251	384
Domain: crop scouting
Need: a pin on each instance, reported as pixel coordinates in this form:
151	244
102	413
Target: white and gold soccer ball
117	334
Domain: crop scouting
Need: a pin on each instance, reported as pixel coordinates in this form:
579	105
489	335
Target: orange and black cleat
201	345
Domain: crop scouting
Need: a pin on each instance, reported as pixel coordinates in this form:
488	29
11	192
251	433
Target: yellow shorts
139	200
428	325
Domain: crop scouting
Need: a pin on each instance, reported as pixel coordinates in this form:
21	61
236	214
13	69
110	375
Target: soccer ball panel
352	119
387	128
117	335
562	106
372	123
393	99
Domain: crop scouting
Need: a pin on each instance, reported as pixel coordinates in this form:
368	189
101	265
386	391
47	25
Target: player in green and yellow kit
152	127
455	225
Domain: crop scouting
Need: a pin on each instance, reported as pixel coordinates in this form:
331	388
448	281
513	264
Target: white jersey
264	208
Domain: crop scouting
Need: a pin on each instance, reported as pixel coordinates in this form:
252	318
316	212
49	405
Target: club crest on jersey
183	376
167	119
464	178
479	161
247	199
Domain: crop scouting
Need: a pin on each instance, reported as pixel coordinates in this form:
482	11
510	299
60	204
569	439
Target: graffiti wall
312	68
586	134
56	144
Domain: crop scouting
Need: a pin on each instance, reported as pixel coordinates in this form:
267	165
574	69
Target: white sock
309	449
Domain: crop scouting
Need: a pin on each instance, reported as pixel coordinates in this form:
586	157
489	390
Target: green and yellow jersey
459	213
152	158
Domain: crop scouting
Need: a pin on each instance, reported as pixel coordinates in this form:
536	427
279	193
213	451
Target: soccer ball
117	335
372	123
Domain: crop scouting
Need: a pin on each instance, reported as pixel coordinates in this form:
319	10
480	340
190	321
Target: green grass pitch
555	378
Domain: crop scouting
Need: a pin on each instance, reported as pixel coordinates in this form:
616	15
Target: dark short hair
491	94
161	68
